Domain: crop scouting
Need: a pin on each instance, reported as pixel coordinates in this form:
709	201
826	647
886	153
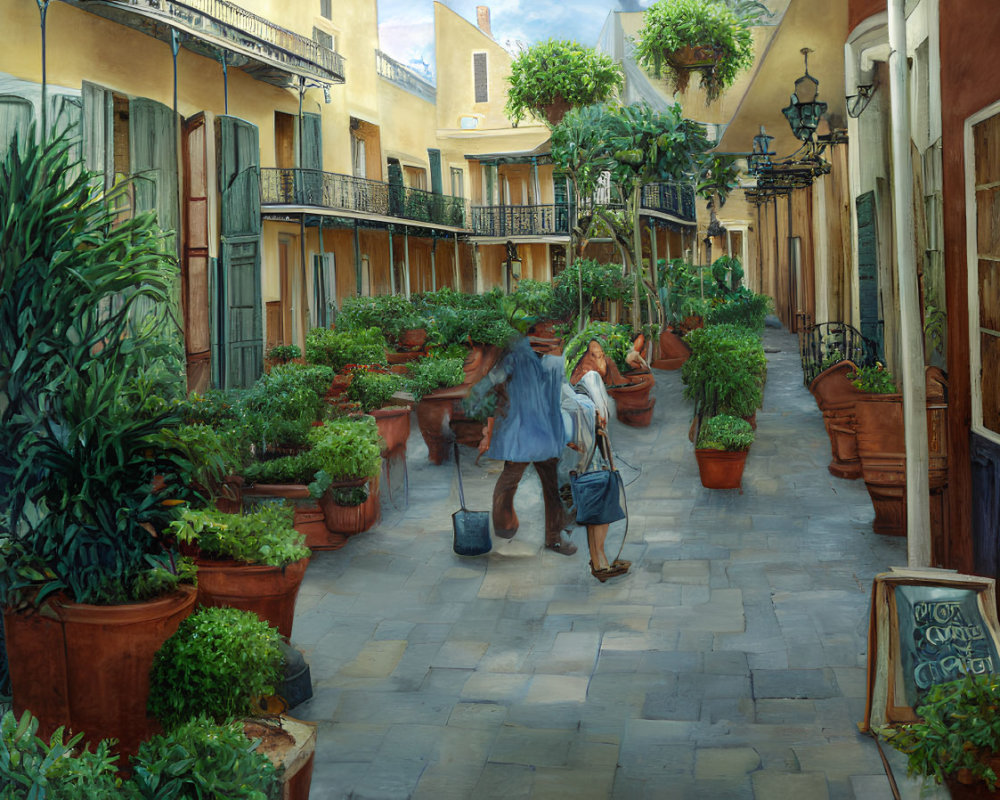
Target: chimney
483	20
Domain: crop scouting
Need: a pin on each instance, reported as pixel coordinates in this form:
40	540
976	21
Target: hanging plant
705	36
552	77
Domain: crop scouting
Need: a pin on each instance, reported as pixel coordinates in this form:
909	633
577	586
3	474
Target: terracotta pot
290	746
882	452
633	397
397	359
965	786
545	329
344	521
637	417
836	395
308	518
412	338
720	469
556	110
393	426
673	351
87	667
269	592
691	323
691	57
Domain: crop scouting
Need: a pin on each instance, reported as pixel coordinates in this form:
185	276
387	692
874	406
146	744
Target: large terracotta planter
290	746
400	359
633	405
673	351
308	518
269	592
836	395
882	451
393	426
345	521
720	469
412	338
440	412
87	667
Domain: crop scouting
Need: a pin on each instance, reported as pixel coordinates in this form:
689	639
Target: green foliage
672	25
262	536
31	768
283	353
616	341
434	372
346	448
718	176
725	432
725	372
336	349
299	468
371	389
959	725
217	663
218	409
212	455
747	310
873	380
79	421
601	283
350	496
202	759
531	302
279	409
390	313
559	70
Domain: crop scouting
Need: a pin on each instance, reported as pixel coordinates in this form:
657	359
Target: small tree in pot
721	450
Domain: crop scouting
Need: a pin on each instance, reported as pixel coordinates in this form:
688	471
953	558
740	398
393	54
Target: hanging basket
687	60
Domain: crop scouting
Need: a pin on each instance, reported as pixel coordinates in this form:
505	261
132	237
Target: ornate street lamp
760	159
804	111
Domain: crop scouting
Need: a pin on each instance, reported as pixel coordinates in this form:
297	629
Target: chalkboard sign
927	627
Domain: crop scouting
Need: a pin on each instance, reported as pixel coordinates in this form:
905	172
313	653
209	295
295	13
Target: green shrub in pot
873	380
338	348
219	661
371	389
434	372
262	536
725	372
346	448
724	432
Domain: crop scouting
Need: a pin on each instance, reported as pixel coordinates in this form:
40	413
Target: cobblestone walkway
728	664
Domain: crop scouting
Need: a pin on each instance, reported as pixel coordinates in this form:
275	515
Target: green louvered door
312	160
153	163
871	327
16	115
241	335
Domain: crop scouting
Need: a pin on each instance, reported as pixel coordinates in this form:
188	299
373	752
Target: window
457	182
416	177
480	77
326	9
323	38
358	158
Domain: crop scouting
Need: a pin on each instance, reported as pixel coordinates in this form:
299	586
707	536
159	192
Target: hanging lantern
804	111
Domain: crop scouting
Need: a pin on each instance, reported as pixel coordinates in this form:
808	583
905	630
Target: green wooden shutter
396	192
97	131
65	115
153	163
434	157
241	327
16	115
312	159
871	327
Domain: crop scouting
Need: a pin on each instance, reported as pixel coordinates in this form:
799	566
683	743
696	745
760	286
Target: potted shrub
957	739
725	372
227	661
394	315
347	455
281	354
338	348
253	560
549	78
88	590
881	445
836	395
678	37
373	391
721	451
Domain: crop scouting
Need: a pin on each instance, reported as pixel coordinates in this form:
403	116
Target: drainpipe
918	532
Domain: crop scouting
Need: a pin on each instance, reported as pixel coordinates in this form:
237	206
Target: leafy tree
718	177
559	71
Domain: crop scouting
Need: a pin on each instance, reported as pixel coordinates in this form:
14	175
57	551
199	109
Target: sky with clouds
406	27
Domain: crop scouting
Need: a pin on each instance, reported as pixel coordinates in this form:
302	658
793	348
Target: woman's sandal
610	571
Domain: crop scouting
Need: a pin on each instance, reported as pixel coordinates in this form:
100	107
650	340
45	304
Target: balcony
510	221
212	28
313	187
404	77
677	200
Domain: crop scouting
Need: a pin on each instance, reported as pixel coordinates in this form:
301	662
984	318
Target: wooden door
285	287
195	289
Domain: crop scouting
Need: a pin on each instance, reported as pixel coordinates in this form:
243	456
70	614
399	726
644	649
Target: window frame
486	75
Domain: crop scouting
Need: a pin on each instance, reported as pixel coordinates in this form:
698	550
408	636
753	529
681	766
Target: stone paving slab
729	663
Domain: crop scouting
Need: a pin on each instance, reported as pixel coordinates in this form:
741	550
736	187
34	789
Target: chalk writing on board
942	636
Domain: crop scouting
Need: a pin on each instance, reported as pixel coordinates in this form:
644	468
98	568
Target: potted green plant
281	354
337	349
253	560
88	589
678	37
721	450
957	738
347	454
549	78
725	372
374	393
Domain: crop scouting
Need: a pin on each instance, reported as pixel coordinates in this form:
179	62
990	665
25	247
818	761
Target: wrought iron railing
670	198
404	77
539	220
824	344
225	20
313	187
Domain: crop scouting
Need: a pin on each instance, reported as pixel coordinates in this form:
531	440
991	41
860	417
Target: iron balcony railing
826	343
670	198
404	77
313	187
538	220
229	21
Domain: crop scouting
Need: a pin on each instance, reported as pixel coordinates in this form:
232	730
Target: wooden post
918	529
392	266
406	263
455	268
